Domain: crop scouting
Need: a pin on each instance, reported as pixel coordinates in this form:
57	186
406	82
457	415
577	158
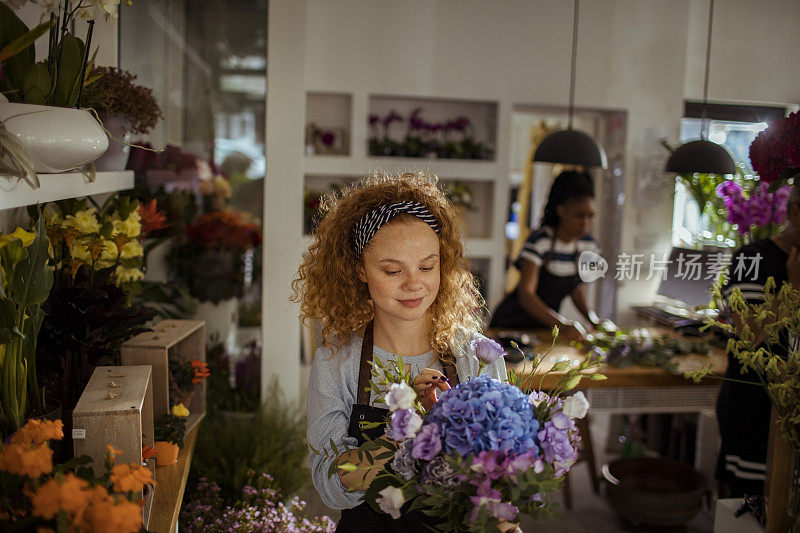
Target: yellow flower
52	217
132	249
128	274
130	227
104	250
84	221
180	410
130	477
26	237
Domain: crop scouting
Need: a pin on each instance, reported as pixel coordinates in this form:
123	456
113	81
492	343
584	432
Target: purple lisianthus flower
556	440
487	350
439	473
404	424
403	461
427	443
490	499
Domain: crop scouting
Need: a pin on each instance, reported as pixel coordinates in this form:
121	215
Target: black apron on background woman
550	288
363	518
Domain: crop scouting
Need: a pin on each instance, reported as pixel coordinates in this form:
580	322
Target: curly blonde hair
329	290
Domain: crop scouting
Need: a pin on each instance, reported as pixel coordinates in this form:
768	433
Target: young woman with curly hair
386	276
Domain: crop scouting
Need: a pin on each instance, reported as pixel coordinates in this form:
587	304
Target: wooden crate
116	408
184	339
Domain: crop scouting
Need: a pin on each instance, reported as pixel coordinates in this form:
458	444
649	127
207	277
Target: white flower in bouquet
576	406
391	501
400	396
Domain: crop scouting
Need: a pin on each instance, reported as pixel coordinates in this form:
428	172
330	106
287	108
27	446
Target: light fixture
701	155
569	146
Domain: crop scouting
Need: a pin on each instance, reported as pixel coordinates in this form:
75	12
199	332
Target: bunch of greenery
25	283
624	347
170	428
115	93
759	331
233	451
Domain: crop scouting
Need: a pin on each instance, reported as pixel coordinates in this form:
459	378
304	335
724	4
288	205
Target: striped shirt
564	260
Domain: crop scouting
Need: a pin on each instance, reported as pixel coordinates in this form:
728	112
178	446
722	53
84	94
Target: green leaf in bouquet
107	229
385	455
32	280
36	85
70	62
334	448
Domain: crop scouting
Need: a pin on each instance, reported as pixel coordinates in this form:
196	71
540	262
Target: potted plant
123	107
184	376
168	431
25	283
44	95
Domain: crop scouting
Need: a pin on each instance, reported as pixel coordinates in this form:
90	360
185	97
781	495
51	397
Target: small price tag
78	433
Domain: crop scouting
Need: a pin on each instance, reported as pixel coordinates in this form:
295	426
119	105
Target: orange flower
147	452
27	460
152	218
130	477
69	495
113	515
200	371
112	452
39	431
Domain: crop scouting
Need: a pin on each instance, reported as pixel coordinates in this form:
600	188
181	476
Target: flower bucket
116	157
57	138
166	453
221	320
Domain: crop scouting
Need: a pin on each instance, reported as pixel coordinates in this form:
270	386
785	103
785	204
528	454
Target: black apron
551	289
363	518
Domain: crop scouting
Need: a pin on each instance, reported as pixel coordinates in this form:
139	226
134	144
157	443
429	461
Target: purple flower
487	350
556	439
427	443
404	424
327	138
490	499
373	119
403	461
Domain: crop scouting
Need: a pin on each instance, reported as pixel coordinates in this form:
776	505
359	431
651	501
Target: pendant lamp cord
573	60
703	124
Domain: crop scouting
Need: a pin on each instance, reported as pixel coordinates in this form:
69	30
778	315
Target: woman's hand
508	527
428	384
572	331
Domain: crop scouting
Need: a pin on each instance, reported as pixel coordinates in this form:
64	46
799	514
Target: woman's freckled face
401	267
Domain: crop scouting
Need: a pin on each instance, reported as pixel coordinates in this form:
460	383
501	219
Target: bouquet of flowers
775	152
486	451
752	208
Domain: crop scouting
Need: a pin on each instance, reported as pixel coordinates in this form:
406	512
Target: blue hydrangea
485	414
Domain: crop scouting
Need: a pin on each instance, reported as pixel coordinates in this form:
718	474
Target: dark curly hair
569	185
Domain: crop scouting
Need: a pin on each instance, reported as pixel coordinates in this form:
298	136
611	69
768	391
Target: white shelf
444	168
14	193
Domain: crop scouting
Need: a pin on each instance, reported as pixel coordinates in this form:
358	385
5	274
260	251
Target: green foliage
233	450
170	428
760	334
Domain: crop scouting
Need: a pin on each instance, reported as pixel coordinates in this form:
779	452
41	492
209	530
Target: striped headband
370	223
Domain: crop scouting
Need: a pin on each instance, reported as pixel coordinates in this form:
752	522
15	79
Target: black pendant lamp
702	156
569	146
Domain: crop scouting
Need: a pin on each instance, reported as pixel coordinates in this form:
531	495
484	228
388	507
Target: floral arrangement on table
210	260
449	139
771	322
260	508
115	93
627	347
25	284
486	451
37	494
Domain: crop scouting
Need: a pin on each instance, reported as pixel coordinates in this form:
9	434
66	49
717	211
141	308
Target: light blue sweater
332	393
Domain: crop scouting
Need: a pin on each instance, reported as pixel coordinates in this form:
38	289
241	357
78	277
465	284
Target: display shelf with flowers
328	124
169	431
486	451
38	494
44	128
55	187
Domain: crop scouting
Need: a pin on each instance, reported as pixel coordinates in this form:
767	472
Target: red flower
224	229
152	218
148	452
200	371
777	148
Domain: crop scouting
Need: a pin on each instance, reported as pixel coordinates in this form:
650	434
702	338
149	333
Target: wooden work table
170	484
630	376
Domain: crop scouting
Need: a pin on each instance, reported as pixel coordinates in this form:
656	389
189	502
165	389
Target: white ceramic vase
116	157
221	320
57	138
